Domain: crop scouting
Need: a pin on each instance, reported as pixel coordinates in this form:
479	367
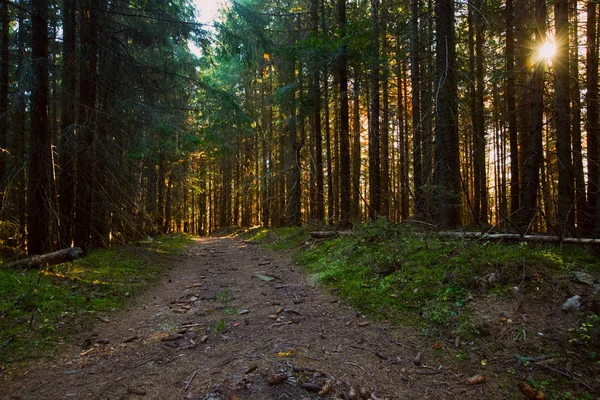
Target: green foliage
588	333
220	327
39	308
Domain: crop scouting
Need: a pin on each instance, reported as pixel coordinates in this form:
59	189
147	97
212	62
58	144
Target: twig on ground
361	367
189	381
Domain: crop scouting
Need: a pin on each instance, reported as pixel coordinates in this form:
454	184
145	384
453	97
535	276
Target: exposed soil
231	320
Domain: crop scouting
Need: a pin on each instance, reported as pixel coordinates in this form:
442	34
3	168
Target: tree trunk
384	209
447	154
344	159
566	213
356	165
415	77
512	109
86	126
315	88
580	197
374	154
4	64
67	139
479	143
591	125
534	146
40	156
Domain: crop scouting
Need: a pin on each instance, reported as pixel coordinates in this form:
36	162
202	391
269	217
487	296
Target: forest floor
230	319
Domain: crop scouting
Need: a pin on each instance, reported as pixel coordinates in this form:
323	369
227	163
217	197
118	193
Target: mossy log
48	259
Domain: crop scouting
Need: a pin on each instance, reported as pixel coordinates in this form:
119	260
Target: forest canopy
481	114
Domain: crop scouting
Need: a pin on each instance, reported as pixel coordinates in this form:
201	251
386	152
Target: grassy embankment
40	309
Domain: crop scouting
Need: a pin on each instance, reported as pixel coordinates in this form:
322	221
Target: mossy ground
40	309
411	277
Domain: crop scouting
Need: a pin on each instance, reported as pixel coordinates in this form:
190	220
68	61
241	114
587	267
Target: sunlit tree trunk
534	151
591	125
580	196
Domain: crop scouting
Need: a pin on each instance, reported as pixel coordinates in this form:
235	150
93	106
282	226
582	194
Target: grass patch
40	309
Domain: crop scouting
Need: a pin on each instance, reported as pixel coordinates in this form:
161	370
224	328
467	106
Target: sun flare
546	51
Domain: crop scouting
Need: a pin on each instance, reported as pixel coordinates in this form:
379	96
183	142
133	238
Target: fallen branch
330	234
48	259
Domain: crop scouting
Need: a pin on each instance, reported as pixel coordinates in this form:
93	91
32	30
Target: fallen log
514	237
57	257
330	234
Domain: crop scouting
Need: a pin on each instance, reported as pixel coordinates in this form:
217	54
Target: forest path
225	322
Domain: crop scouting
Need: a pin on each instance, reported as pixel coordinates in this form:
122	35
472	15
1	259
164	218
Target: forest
479	114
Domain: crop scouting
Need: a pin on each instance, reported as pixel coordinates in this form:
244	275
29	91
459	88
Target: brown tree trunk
374	132
4	64
40	156
415	77
356	165
447	154
591	125
384	209
566	208
86	126
344	159
66	179
534	149
580	197
479	143
512	109
315	88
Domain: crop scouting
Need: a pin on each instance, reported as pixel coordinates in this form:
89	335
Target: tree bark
319	201
512	109
534	146
68	93
591	125
40	157
344	159
374	132
86	124
580	195
4	64
447	156
566	209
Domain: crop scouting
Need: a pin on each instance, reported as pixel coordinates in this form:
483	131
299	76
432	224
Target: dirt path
245	334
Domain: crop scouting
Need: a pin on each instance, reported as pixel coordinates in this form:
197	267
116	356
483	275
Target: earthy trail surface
231	320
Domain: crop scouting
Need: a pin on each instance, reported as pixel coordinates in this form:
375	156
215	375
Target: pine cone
277	379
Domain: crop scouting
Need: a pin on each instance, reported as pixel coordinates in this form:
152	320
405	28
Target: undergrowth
398	271
40	309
